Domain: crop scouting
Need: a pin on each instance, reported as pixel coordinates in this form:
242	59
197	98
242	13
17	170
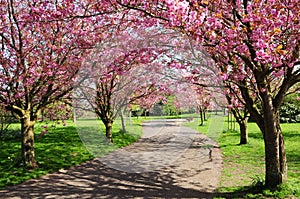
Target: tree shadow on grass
241	192
66	134
291	134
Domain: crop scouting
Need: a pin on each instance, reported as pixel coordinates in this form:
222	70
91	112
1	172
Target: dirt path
169	161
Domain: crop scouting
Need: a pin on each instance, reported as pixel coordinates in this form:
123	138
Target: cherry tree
203	103
238	108
119	76
253	42
204	73
41	48
185	97
188	95
199	72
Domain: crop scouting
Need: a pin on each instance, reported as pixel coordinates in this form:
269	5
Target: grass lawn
243	172
61	147
244	166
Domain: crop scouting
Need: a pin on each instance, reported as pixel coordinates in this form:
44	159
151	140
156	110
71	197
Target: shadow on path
194	174
94	180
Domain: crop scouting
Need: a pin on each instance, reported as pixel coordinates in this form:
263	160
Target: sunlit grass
244	165
61	147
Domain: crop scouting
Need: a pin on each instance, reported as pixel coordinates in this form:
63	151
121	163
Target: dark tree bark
108	131
201	117
276	165
27	132
241	116
243	131
242	119
267	119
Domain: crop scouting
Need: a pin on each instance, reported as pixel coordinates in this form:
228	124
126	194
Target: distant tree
118	77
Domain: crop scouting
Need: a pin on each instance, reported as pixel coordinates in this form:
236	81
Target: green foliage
169	108
165	109
59	148
10	134
289	112
6	120
212	127
283	191
290	109
258	181
157	110
122	139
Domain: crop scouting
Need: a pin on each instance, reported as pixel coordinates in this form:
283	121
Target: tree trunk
201	118
244	131
108	131
123	122
276	165
27	132
74	115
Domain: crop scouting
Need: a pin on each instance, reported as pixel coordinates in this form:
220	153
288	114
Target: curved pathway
169	161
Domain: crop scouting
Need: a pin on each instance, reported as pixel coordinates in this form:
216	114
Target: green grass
212	126
244	166
63	147
94	137
60	148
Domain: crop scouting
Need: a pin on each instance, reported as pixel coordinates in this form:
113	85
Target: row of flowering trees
48	49
42	47
254	44
117	73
